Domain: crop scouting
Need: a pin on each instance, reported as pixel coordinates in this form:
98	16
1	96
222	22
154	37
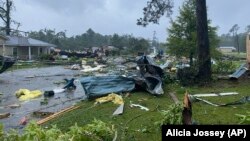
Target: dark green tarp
5	63
95	86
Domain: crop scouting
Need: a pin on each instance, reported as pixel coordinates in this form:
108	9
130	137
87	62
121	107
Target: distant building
227	49
23	48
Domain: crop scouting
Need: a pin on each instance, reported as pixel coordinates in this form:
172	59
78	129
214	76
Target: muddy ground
35	79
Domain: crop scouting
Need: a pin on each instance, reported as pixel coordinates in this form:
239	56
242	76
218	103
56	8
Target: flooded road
35	79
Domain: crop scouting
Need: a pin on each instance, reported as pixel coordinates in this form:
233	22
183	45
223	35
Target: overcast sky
117	16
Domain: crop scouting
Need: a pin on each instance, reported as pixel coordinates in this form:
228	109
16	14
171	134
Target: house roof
26	41
227	47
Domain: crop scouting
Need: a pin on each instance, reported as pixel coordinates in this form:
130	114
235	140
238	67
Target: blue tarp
96	86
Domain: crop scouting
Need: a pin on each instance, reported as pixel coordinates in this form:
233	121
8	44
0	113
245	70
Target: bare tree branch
154	10
1	8
2	17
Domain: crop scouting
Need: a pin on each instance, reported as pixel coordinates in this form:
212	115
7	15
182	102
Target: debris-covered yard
41	79
136	123
115	104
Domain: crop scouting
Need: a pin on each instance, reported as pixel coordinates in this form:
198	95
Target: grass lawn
236	54
137	124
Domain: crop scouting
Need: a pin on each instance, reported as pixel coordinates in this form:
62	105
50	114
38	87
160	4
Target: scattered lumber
57	114
173	96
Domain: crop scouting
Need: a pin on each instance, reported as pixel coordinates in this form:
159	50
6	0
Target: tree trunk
204	58
191	59
8	8
237	42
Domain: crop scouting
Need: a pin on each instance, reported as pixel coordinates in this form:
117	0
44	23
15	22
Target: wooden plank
57	114
4	115
216	105
173	96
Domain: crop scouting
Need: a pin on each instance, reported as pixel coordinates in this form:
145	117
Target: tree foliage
230	40
90	39
234	31
157	8
154	10
182	37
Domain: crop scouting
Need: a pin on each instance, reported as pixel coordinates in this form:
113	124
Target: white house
24	48
227	49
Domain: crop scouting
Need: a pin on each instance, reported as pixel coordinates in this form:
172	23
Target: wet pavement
35	79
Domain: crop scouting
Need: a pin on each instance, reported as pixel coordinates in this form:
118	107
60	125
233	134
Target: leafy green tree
182	37
88	39
182	32
157	8
248	29
116	41
234	31
138	45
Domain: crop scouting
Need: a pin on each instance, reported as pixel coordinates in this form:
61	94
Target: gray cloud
116	16
69	7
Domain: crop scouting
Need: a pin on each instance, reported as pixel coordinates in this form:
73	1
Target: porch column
29	53
38	51
3	49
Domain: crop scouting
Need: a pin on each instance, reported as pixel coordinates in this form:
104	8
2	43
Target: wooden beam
174	98
57	114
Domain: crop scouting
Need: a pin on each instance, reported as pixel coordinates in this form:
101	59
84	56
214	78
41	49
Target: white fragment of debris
84	62
79	88
119	110
140	106
12	106
215	94
58	90
75	67
90	69
31	76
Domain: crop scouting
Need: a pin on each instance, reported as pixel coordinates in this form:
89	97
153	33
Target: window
33	51
14	51
40	50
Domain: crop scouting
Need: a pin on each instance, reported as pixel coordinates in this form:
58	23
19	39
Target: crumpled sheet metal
150	79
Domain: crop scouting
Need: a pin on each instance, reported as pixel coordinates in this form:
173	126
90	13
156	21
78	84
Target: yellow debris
25	94
116	99
173	69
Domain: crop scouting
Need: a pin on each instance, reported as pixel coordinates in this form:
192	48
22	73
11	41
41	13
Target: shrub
223	67
97	130
187	76
46	57
172	116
